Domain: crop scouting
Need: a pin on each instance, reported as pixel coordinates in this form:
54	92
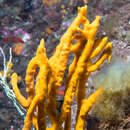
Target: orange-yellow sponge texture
41	100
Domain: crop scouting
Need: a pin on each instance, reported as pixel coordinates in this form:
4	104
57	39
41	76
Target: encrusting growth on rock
41	100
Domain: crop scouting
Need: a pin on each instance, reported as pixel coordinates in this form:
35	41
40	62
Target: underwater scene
64	65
